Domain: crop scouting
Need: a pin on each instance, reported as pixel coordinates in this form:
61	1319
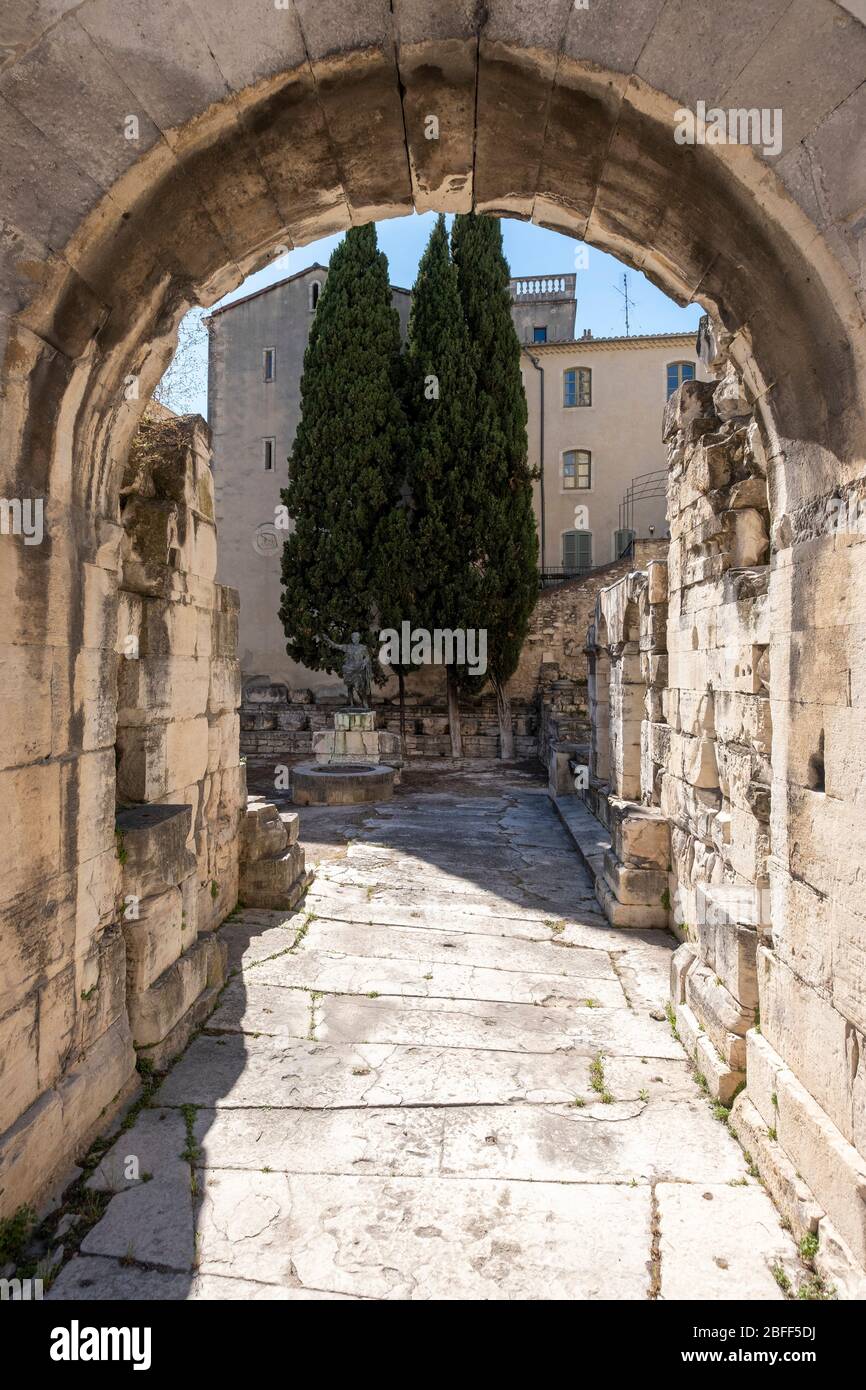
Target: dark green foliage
507	522
347	461
443	475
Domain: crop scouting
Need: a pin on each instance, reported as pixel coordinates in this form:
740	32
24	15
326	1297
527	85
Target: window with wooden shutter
576	550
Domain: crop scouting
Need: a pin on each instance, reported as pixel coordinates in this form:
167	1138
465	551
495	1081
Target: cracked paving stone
335	973
243	1071
421	1238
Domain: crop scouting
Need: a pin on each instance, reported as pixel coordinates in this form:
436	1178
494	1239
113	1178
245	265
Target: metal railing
642	488
558	574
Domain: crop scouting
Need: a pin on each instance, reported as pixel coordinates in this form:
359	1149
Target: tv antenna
627	301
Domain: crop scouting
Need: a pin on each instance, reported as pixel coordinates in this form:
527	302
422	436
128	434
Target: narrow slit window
269	360
269	447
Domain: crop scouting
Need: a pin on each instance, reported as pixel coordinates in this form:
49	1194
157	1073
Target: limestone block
160	688
641	837
693	402
154	939
729	397
19	1051
155	1012
223	741
682	960
831	1166
746	537
763	1065
748	846
225	685
729	950
788	1191
724	1019
361	721
292	823
812	1038
695	760
153	847
628	914
263	834
100	996
657	581
654	706
29	826
741	718
30	1152
276	882
634	885
805	923
723	1081
750	492
25	697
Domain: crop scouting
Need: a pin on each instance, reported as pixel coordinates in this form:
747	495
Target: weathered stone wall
117	952
768	987
177	733
555	647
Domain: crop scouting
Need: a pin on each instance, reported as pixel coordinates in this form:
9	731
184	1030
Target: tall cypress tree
509	543
443	475
348	458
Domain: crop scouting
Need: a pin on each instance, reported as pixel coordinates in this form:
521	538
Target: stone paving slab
395	909
249	941
620	1143
406	1238
460	948
721	1243
428	979
247	1006
234	1070
152	1224
464	1023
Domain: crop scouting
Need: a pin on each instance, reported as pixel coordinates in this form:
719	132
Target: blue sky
530	250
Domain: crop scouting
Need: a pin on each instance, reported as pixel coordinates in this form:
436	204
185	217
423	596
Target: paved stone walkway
446	1077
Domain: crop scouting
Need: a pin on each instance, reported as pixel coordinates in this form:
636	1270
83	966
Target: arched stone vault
256	131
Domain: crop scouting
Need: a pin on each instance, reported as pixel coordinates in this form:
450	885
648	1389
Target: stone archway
151	160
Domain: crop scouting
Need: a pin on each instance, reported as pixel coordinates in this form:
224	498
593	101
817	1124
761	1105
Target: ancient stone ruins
709	779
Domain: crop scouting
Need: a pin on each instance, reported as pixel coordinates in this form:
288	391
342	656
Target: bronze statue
357	670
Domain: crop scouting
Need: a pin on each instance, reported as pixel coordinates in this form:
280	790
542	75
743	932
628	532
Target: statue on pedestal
357	670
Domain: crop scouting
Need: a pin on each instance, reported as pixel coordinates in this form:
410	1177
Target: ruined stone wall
116	952
746	798
716	778
555	648
177	733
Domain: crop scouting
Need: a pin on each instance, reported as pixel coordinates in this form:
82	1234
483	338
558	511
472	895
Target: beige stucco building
588	401
603	476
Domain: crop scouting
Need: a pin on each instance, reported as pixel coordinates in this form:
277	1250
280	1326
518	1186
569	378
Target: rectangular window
268	363
539	334
577	468
577	386
678	372
269	448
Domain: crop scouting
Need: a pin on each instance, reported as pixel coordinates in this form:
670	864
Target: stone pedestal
354	762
